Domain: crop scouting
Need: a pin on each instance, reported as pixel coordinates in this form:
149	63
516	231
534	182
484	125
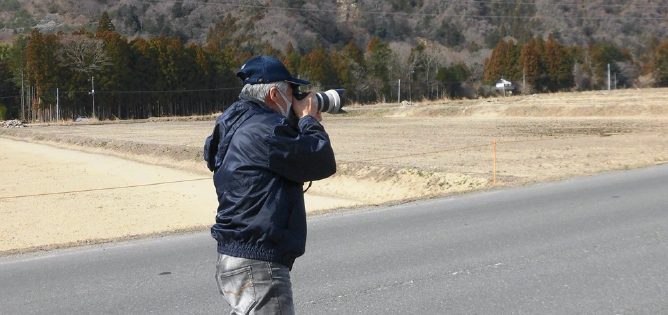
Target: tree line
103	74
548	66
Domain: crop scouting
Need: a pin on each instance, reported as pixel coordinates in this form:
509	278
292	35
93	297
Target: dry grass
386	153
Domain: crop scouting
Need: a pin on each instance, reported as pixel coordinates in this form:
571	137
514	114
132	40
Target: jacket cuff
307	120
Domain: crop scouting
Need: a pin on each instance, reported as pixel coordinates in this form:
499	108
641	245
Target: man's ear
273	94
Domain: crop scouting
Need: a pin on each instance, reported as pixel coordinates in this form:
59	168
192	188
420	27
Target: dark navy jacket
260	164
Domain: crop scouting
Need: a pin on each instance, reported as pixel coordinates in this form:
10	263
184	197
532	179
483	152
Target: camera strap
309	186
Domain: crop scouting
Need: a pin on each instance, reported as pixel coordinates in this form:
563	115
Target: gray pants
254	286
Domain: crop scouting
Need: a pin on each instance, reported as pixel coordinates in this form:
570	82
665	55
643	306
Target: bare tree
430	64
628	75
84	54
581	79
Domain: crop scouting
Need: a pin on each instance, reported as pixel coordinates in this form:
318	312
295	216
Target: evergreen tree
559	65
353	52
104	24
10	101
503	63
533	64
144	63
603	54
378	54
292	59
452	78
317	67
42	70
118	75
660	64
349	66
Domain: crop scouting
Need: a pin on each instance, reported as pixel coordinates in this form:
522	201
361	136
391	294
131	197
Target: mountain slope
459	26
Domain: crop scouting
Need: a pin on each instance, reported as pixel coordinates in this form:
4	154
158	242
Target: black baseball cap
266	69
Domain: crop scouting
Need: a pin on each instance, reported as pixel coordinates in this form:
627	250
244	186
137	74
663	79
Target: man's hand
306	106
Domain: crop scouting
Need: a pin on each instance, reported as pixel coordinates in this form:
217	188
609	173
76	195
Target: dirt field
385	153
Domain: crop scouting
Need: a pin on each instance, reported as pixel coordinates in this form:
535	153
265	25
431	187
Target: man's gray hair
261	91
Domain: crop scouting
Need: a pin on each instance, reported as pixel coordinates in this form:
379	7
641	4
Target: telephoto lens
328	101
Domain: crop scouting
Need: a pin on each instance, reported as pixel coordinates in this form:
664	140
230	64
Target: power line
166	91
149	91
208	178
571	4
382	12
514	3
102	189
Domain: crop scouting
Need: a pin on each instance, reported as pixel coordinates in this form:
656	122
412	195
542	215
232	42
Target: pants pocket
238	289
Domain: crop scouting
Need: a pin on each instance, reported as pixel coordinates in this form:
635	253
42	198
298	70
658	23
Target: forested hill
145	58
467	26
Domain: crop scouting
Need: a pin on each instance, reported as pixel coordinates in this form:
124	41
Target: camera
328	101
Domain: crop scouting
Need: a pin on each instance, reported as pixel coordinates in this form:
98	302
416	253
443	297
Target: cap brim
298	81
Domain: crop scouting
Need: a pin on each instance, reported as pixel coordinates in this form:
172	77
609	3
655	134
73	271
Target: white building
504	86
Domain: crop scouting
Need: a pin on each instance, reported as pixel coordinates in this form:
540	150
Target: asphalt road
593	245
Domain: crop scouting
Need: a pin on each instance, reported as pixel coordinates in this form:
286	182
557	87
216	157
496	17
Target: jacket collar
261	104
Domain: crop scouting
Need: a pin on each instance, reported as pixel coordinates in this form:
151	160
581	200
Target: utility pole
92	92
31	97
608	77
399	92
57	105
410	88
615	85
524	79
23	114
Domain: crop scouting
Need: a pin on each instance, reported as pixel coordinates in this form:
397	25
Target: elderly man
261	161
